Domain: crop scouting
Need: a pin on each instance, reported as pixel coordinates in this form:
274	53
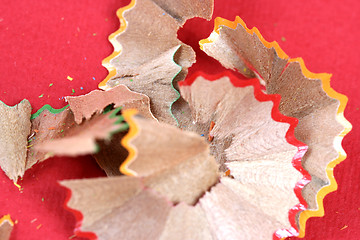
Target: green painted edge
120	121
112	114
172	85
50	109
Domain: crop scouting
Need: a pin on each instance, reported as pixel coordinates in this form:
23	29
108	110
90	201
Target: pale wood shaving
301	97
14	131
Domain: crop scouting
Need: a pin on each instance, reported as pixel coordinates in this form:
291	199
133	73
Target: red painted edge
290	138
277	116
78	216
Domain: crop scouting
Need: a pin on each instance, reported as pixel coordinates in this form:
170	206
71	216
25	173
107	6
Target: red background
43	42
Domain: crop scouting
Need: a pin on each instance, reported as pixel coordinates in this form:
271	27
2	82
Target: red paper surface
43	42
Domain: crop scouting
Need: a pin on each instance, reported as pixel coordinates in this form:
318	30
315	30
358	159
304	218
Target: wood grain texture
175	163
97	198
154	79
117	206
111	154
45	127
6	227
85	106
142	207
248	142
160	146
303	97
186	222
244	128
141	44
152	30
232	217
304	24
81	139
143	217
14	131
184	9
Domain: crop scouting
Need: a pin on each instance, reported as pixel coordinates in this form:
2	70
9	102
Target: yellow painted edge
117	46
125	142
325	79
6	218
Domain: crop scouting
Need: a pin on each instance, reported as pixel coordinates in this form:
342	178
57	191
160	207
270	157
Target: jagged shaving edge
174	89
38	112
78	216
49	108
325	79
117	46
6	218
125	142
277	116
112	114
117	51
261	97
119	121
24	100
